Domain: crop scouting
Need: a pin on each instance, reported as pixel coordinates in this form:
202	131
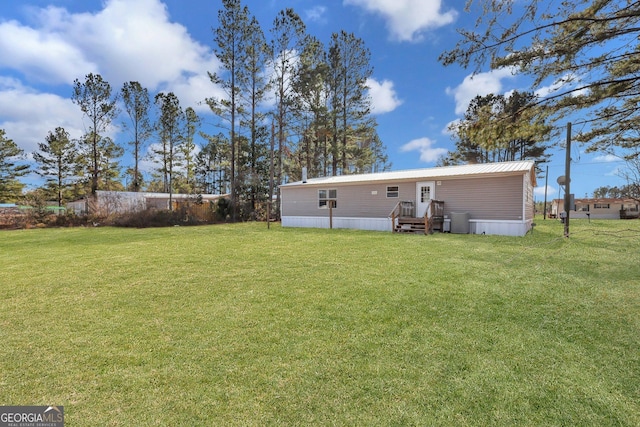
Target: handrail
394	216
432	214
427	217
395	208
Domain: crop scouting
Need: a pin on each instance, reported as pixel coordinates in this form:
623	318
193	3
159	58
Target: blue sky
166	45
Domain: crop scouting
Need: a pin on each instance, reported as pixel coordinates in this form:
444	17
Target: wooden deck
433	219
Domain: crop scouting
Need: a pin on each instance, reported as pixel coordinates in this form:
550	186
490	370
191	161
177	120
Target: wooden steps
404	223
410	225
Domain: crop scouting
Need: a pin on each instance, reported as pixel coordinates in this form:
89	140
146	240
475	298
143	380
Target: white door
425	191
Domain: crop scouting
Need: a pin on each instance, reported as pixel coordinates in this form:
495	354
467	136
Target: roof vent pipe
304	174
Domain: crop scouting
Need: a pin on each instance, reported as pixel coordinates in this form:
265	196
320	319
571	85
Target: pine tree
230	38
212	165
256	54
287	35
110	167
311	108
137	105
93	96
586	49
350	67
499	128
188	148
170	128
10	169
57	159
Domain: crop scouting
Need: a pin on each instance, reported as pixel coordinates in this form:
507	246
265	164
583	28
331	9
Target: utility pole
546	182
271	149
567	185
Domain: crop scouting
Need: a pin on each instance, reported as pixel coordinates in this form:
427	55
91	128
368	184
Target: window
582	208
393	191
425	193
327	196
601	206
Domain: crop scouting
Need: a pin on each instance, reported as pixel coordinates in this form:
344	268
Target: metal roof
431	173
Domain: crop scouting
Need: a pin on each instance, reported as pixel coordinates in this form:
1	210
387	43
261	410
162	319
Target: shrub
223	209
156	218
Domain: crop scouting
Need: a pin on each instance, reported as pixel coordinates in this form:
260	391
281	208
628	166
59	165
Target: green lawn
240	325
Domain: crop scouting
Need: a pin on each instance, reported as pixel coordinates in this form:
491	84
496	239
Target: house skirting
499	227
374	224
476	226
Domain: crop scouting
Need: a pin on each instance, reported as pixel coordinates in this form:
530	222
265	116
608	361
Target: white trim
437	173
327	199
524	196
397	191
421	207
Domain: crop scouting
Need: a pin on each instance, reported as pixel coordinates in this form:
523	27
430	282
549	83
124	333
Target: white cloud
150	161
551	89
131	40
28	116
566	83
190	90
453	125
551	191
428	153
127	40
478	84
607	158
41	55
285	62
316	14
408	19
617	171
384	98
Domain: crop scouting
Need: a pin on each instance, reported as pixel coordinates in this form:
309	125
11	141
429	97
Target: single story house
118	202
597	208
495	198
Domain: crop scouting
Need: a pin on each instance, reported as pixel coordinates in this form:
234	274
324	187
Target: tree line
582	55
499	128
290	103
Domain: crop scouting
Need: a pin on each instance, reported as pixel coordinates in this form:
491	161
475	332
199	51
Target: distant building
601	208
119	202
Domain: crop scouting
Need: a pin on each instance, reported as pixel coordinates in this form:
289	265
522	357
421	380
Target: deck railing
402	209
394	215
434	214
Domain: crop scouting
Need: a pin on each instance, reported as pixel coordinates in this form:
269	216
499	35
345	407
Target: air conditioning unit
460	222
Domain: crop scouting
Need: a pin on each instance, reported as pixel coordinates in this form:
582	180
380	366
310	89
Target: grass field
240	325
